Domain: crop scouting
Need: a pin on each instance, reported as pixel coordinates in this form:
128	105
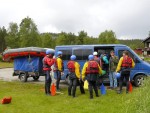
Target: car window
66	54
82	54
121	52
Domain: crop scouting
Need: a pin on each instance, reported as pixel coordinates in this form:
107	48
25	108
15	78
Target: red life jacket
71	66
45	65
92	68
127	62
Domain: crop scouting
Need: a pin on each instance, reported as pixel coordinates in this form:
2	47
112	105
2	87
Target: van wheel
67	80
23	77
138	80
36	78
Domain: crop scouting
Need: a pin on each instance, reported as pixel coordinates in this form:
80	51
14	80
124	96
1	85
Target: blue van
137	75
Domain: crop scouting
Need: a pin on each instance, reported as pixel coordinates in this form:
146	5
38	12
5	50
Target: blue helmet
59	53
118	75
49	51
91	57
73	57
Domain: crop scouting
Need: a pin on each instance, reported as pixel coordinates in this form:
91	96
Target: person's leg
58	79
90	89
115	79
127	75
121	82
70	87
111	79
81	84
47	82
74	87
95	88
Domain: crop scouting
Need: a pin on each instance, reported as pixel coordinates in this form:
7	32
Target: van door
101	51
82	54
119	52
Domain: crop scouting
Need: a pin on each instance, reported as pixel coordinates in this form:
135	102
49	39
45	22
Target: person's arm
59	64
133	64
50	62
77	70
84	70
100	70
119	64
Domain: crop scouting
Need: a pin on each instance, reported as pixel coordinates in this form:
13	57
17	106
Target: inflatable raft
28	51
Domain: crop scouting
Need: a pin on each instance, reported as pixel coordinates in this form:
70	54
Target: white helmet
95	53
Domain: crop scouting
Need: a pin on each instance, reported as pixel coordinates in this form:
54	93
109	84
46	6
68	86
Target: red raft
28	51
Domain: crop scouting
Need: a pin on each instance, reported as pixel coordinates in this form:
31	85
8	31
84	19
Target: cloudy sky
127	18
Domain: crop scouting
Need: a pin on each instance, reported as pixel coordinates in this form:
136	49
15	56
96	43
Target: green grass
29	98
6	64
147	59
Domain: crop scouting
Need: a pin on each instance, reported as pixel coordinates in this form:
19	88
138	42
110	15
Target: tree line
26	34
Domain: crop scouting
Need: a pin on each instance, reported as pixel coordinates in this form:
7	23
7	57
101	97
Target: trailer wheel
23	77
36	78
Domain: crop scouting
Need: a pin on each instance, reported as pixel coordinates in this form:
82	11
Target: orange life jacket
71	66
92	68
127	62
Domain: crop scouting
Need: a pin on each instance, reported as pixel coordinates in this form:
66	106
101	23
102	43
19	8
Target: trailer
26	66
27	62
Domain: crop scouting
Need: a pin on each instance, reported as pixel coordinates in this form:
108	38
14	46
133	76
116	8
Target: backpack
92	68
127	62
71	66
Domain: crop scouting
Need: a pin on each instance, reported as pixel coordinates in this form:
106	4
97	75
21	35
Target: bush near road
30	98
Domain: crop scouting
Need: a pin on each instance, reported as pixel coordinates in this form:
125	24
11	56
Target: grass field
30	98
6	64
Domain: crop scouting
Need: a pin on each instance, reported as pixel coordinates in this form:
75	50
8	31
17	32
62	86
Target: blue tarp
28	64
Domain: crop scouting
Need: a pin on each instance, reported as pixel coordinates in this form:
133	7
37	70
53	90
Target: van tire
138	80
23	77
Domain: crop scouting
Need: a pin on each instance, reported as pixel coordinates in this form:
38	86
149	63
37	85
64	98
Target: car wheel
36	78
23	77
138	80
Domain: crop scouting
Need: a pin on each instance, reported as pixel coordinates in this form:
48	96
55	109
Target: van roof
102	45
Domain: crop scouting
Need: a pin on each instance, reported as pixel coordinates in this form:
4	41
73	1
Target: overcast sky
127	18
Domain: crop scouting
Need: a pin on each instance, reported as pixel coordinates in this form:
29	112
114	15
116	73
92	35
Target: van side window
82	54
86	53
121	52
78	53
66	54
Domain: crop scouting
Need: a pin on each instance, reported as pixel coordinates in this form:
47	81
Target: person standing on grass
124	66
59	68
74	75
48	61
91	71
113	62
96	58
